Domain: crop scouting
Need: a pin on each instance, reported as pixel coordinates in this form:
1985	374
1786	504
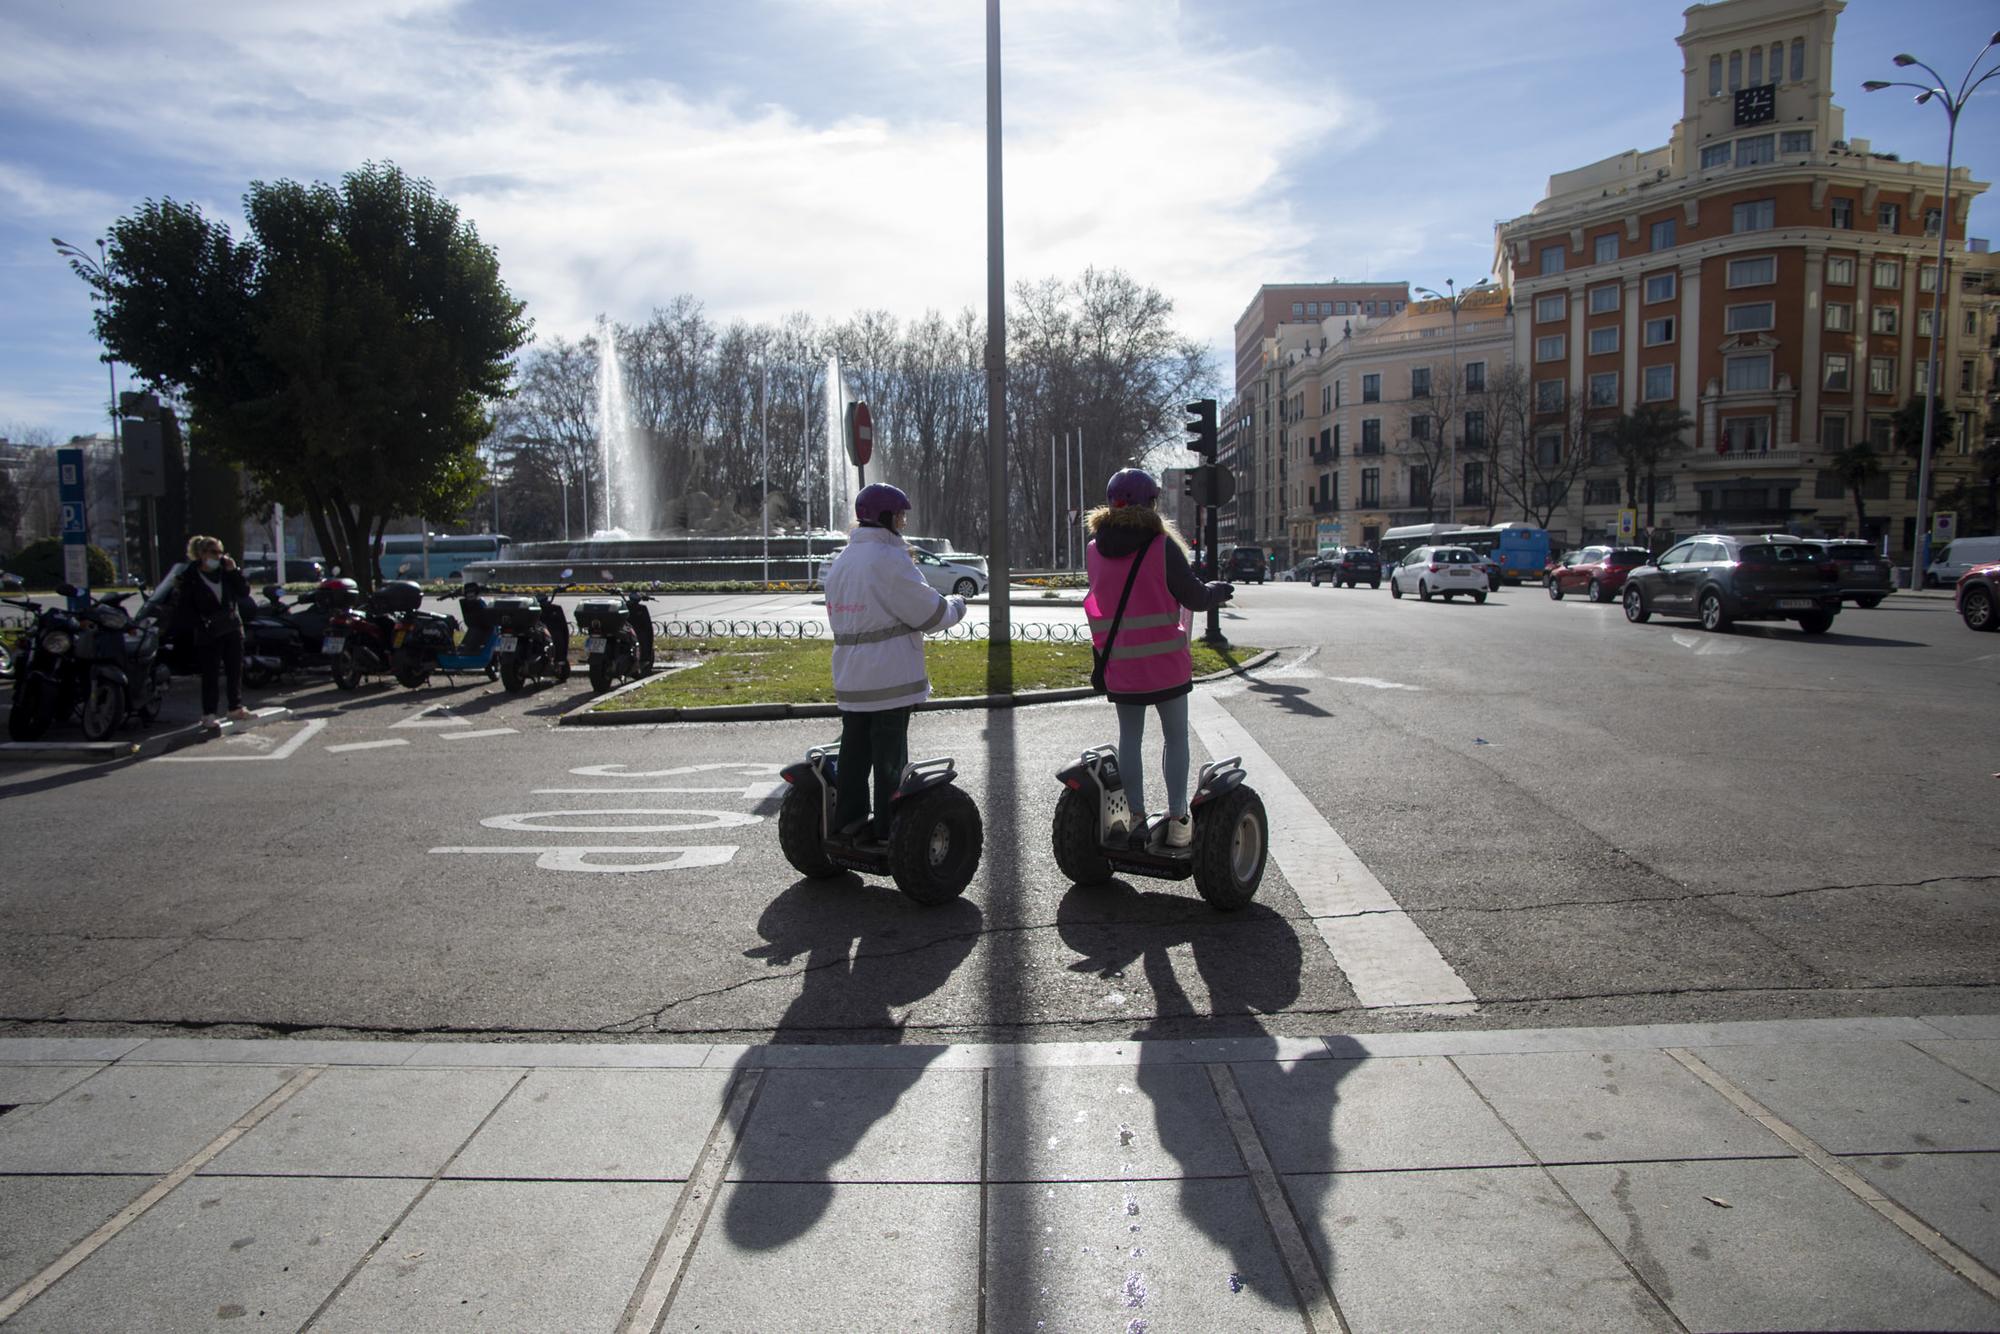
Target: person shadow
864	954
1250	964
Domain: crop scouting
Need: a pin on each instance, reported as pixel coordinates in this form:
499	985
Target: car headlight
56	641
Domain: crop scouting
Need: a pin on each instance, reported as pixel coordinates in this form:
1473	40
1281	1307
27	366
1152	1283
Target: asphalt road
1580	820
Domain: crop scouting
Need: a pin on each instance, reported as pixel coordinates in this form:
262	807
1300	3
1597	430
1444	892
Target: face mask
211	563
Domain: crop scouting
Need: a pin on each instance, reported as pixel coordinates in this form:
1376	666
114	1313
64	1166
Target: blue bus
404	557
1520	550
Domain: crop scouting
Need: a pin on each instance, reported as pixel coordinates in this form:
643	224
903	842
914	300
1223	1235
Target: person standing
1148	662
210	590
879	607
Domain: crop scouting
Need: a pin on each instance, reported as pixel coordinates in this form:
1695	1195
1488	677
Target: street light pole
1919	543
999	670
98	274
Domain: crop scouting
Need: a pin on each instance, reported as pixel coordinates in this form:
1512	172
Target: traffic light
1201	431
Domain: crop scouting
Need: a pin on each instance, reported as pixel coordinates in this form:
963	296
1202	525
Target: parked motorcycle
534	638
359	634
282	638
619	636
48	681
121	654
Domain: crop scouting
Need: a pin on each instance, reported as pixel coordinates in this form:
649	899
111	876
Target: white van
1959	555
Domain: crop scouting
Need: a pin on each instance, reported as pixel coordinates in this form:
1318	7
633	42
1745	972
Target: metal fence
728	627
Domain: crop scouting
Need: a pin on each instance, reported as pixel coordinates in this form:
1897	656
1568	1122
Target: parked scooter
360	633
935	833
1095	822
48	679
282	638
476	652
127	678
619	636
534	638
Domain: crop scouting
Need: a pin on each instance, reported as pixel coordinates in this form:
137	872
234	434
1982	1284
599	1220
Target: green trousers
870	743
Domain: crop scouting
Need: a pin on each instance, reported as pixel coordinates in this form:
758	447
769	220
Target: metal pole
999	665
1069	507
1451	440
278	534
1052	502
562	477
764	432
1920	540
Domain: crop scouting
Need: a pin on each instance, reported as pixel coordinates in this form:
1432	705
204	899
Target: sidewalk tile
1615	1107
605	1125
512	1255
891	1124
1483	1250
1977	1058
605	1055
1106	1124
1956	1193
363	1122
1626	1037
1792	1251
137	1119
270	1051
1118	1255
86	1051
43	1216
1865	1097
265	1251
806	1258
1351	1116
23	1084
1966	1025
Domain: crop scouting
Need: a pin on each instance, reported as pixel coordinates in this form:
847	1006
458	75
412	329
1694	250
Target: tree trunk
1860	515
1652	485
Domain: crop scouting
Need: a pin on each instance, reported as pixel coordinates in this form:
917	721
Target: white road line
422	718
753	792
367	745
313	727
1388	959
580	858
484	731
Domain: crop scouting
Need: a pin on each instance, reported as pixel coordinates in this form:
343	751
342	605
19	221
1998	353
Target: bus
403	555
1521	550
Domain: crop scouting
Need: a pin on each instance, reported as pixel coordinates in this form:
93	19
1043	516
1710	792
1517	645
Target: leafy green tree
1645	438
1856	466
1909	427
345	354
10	511
40	564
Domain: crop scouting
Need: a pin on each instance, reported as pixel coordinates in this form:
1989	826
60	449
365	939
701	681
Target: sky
829	156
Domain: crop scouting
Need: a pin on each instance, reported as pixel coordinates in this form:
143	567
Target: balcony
1754	458
1326	504
1325	453
1370	448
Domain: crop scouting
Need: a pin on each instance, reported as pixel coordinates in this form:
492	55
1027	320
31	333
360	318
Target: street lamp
97	273
1937	91
1455	299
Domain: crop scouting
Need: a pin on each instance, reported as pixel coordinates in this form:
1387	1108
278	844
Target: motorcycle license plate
594	644
1795	604
333	644
506	644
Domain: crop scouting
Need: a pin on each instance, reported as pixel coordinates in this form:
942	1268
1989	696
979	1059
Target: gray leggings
1132	755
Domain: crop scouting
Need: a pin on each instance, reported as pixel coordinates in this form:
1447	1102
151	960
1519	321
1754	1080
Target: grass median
775	671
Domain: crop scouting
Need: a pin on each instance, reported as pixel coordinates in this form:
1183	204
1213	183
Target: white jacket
880	608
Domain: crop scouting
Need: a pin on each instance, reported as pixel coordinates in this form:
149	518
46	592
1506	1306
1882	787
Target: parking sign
1944	524
1628	525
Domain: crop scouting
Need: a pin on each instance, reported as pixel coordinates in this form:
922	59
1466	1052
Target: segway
1095	822
935	834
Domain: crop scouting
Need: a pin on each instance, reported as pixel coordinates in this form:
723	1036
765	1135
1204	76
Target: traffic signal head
1201	431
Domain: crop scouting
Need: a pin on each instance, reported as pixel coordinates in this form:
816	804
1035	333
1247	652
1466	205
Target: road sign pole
73	500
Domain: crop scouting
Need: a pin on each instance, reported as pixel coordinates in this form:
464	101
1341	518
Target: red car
1978	597
1596	572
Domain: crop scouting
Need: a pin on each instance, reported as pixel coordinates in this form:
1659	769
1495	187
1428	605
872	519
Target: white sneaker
210	723
1180	830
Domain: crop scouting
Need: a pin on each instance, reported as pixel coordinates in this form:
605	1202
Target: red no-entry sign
860	434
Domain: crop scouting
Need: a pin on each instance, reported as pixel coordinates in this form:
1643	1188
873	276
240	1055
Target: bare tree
1540	450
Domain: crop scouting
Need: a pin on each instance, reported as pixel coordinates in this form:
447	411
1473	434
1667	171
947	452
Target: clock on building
1756	105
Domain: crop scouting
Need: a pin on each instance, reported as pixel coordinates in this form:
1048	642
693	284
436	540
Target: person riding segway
923	831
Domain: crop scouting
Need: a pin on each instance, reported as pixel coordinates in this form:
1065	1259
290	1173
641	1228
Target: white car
1440	572
961	574
1958	556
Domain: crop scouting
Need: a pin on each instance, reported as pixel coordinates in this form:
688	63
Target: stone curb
143	746
588	715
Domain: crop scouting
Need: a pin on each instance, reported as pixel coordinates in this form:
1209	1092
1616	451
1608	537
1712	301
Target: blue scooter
477	648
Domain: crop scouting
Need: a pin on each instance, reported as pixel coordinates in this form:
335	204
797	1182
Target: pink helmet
878	499
1131	486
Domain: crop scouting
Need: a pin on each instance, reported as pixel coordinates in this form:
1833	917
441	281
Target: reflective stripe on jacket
880	608
1150	658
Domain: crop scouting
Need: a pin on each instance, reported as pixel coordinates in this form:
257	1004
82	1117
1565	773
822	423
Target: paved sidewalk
1809	1174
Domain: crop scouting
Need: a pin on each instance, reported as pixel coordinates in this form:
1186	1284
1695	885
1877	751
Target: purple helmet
1131	486
878	499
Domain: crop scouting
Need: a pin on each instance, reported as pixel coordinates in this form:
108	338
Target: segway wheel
1077	853
799	833
934	844
1231	842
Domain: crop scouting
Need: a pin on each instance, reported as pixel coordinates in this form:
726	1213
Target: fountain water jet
628	472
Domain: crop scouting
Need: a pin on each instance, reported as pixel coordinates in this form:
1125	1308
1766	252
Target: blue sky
772	155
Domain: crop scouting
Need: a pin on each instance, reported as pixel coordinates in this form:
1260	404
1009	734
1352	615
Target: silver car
1440	572
953	572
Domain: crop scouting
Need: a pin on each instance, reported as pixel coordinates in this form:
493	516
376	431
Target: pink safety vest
1151	653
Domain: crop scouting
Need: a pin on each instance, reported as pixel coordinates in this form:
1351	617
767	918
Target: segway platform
1225	859
935	833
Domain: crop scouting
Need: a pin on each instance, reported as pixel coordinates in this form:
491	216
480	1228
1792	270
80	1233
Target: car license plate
333	644
594	644
506	644
1795	604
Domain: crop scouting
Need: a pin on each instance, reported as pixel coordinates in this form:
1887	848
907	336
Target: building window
1753	318
1603	448
1747	435
1833	432
1927	277
1371	487
1839	315
1550	347
1661	286
1840	271
1933	219
1420	382
1756	215
1660	331
1659	384
1756	150
1548	395
1798	59
1746	374
1604	299
1600	491
1843	215
1837	371
1552	259
1735	70
1371	389
1715	76
1923	384
1474	491
1924	325
1606	247
1548	449
1549	309
1972	323
1603	339
1794	142
1882	435
1758	272
1604	390
1420	428
1325	399
1714	155
1338	386
1371	435
1336	439
1882	319
1663	234
1475	377
1827	485
1964	377
1888	273
1475	430
1340	308
1756	65
1881	375
1298	309
1888	217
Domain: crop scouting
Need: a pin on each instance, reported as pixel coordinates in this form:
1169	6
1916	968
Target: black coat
202	616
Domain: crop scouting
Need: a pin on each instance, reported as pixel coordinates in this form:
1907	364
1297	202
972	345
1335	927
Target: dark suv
1864	571
1348	566
1718	578
1245	565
